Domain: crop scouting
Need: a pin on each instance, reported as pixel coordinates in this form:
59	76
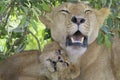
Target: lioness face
74	26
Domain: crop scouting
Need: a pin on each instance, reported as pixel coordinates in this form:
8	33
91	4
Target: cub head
75	26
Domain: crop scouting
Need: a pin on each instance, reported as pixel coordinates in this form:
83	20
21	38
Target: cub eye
65	11
88	11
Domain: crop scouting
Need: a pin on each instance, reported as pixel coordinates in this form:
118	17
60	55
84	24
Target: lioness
74	28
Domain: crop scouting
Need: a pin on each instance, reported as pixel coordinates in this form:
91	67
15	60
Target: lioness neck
75	54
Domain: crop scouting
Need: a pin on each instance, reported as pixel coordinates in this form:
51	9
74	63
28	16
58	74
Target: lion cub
60	63
52	64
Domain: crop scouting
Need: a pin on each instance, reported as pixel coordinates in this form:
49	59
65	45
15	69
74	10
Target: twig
36	40
110	3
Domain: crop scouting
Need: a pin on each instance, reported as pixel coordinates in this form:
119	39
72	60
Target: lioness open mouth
77	39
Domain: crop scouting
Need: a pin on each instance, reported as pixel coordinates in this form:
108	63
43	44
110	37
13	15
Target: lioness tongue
77	39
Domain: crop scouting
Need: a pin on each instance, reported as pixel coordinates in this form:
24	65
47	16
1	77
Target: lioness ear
46	21
102	14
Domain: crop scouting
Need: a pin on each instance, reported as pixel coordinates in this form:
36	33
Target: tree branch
36	40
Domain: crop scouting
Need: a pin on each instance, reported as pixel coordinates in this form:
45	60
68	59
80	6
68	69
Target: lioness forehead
74	6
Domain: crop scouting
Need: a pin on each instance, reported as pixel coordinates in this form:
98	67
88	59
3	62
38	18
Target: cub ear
46	21
102	14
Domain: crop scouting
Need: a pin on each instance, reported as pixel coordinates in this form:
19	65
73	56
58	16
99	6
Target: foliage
20	27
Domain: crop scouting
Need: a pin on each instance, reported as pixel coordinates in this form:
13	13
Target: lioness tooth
72	39
82	39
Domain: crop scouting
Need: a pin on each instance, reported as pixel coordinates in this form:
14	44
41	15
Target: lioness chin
74	28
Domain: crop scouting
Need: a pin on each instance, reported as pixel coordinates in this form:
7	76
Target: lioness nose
77	21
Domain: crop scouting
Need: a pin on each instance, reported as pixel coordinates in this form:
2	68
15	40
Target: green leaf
35	12
105	29
20	48
23	21
33	24
18	29
118	17
45	7
119	34
24	9
110	22
2	8
100	38
107	41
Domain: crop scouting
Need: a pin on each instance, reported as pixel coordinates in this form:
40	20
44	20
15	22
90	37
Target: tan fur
29	65
97	63
72	70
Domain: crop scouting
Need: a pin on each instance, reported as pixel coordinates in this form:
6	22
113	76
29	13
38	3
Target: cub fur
28	65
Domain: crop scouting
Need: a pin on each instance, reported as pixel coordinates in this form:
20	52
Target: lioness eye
65	11
87	11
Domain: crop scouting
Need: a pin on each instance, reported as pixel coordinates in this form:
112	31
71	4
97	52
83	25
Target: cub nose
77	21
